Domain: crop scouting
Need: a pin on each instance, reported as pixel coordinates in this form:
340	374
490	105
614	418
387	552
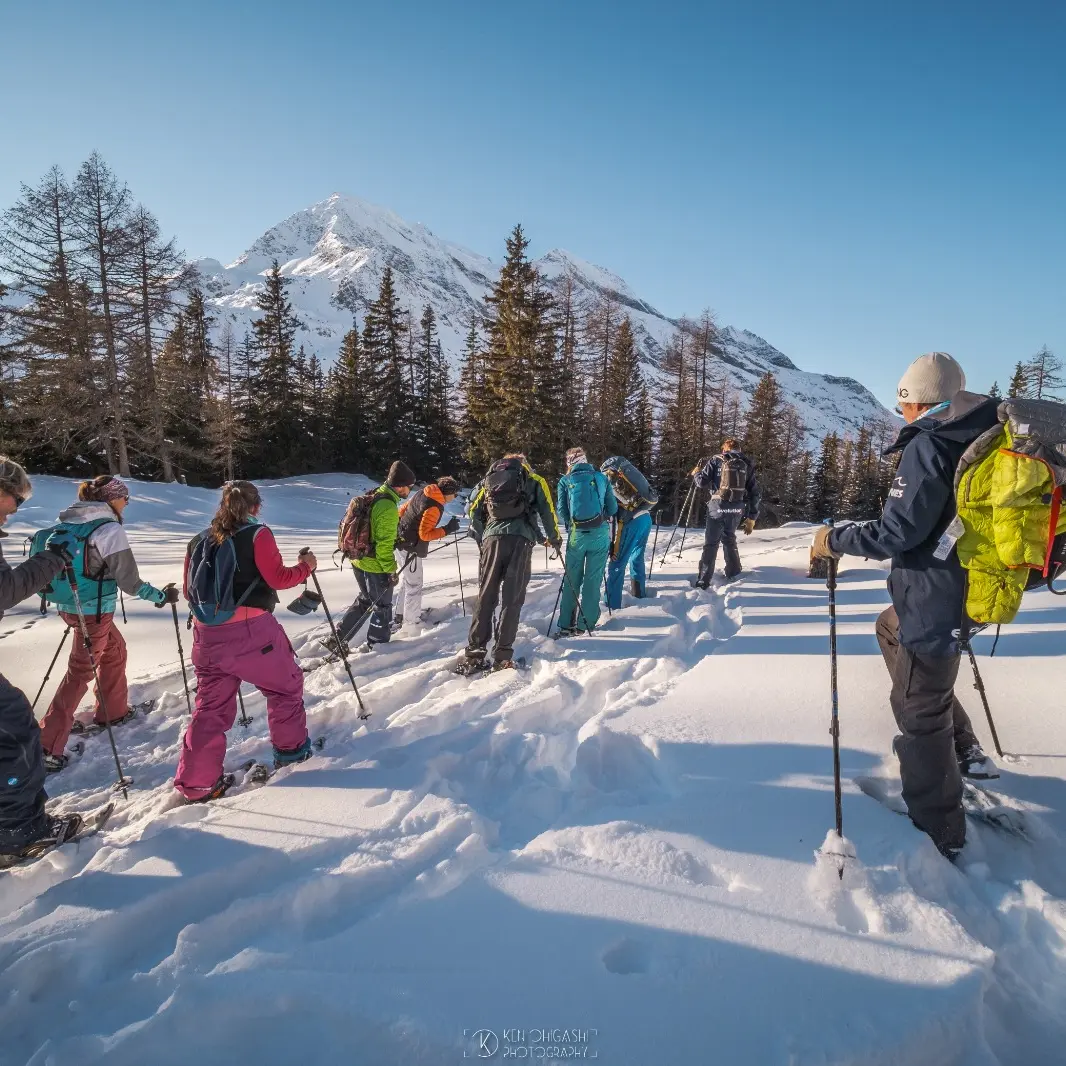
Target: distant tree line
111	360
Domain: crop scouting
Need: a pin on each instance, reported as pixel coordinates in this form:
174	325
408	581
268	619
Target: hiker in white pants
419	525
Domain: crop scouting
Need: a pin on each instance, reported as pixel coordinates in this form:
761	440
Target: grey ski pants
934	729
722	525
503	577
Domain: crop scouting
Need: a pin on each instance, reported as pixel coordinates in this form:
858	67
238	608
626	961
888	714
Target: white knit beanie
931	378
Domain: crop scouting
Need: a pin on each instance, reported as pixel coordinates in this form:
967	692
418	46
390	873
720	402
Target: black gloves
452	526
62	544
170	595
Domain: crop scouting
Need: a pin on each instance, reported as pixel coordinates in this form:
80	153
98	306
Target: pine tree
348	403
625	388
390	401
101	217
474	414
273	409
1019	382
1044	374
995	392
826	481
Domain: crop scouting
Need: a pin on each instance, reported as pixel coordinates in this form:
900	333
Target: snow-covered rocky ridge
612	854
334	253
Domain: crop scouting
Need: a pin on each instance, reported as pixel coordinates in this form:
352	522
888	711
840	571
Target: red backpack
353	534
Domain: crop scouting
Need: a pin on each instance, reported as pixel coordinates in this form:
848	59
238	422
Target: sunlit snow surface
616	848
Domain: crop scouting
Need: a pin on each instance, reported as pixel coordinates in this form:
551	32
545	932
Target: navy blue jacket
710	477
929	594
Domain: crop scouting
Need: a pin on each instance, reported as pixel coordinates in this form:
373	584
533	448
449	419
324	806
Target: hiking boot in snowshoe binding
470	664
221	787
976	765
283	757
54	763
504	664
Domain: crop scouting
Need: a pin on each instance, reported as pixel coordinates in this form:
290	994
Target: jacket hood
582	466
87	511
434	493
967	417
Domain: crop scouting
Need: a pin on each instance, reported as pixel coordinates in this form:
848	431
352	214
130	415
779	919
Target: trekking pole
246	721
459	565
122	604
606	594
342	648
63	640
181	658
673	532
688	518
978	683
834	727
123	782
655	541
558	597
577	598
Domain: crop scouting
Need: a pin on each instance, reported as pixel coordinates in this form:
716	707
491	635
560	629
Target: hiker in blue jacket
636	498
585	502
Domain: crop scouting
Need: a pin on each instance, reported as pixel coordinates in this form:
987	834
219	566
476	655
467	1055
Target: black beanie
401	476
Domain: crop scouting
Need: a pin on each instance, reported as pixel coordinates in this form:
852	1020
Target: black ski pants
375	592
935	729
22	773
722	525
503	577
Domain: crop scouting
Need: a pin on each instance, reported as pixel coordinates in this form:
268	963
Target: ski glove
171	594
821	549
452	526
62	544
748	525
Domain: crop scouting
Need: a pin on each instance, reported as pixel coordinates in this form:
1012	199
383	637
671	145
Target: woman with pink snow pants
248	646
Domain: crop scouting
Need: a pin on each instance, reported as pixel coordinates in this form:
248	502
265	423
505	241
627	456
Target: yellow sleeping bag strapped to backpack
1008	491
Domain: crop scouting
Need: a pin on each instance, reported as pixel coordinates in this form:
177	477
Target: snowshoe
92	728
563	632
53	764
396	624
337	648
508	664
975	765
62	830
222	786
469	665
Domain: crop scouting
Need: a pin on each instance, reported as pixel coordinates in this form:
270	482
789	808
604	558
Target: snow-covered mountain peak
335	251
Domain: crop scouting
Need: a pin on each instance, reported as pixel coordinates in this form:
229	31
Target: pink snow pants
257	651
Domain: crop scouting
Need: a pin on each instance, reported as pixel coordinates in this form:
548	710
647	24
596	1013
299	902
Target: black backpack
506	497
733	480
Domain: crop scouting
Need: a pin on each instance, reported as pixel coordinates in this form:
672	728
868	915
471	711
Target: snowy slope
335	251
618	845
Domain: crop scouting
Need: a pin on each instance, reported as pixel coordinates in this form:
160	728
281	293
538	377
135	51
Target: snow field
620	841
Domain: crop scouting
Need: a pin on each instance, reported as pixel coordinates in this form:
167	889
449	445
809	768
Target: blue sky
856	182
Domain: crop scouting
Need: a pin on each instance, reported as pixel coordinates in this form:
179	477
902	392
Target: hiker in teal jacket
585	503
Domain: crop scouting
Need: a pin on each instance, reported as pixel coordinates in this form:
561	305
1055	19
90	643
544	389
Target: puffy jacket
109	559
384	522
419	523
928	593
566	488
710	477
18	583
537	524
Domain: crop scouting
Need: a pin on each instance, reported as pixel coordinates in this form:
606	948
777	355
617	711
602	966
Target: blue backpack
212	568
92	587
586	498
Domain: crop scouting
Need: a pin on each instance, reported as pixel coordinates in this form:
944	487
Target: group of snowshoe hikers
234	570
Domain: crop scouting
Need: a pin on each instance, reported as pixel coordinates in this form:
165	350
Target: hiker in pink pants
232	570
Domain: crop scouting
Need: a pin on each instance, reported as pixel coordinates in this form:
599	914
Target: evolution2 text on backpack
1011	527
506	494
353	533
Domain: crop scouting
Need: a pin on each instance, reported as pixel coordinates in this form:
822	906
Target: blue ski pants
632	543
586	559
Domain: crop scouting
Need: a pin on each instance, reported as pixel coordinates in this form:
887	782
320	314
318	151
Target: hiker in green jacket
377	573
